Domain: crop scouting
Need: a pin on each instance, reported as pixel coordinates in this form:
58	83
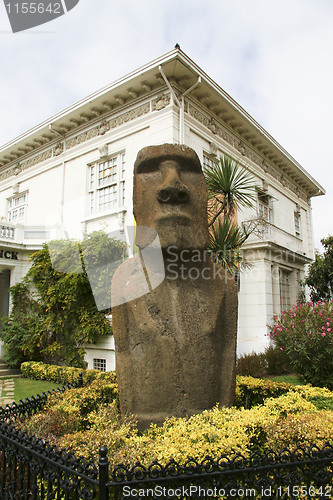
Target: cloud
274	58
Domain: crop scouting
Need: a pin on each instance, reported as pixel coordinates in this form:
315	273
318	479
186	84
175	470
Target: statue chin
178	233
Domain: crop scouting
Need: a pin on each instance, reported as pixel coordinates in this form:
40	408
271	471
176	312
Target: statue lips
180	219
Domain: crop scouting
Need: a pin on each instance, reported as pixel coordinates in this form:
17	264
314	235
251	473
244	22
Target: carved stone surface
58	149
175	342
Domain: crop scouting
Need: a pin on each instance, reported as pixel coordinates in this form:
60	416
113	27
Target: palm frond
230	180
226	238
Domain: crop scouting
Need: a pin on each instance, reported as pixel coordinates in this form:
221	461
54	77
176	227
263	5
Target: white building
73	174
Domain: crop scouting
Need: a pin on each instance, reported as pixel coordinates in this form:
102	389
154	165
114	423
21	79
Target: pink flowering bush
305	334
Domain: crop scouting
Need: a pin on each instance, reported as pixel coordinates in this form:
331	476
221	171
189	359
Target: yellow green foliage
82	420
69	411
61	374
252	391
300	430
106	428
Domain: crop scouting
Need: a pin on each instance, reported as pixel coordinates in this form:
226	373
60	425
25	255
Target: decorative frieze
107	125
99	129
217	129
58	149
15	170
85	136
161	102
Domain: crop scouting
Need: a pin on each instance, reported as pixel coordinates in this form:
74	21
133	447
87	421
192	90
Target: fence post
103	473
80	381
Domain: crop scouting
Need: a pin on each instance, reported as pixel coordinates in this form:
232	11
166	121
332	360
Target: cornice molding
14	170
218	129
107	125
102	127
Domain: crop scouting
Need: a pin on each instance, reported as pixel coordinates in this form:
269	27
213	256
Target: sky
274	57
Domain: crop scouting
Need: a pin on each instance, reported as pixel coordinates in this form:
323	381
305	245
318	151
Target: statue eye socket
189	166
148	167
151	166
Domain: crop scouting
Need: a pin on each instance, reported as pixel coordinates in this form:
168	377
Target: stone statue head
170	197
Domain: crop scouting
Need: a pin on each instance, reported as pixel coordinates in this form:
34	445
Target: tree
230	187
53	309
320	276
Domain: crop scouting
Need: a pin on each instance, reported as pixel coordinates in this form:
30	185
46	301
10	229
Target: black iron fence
32	469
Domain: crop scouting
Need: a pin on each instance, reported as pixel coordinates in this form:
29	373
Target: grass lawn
288	379
25	387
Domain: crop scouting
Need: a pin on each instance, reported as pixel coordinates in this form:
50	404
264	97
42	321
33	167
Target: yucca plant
230	187
226	238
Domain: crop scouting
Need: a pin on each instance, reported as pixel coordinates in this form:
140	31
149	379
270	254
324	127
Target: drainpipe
181	104
62	199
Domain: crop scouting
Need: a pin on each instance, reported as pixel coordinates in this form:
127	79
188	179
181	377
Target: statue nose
173	193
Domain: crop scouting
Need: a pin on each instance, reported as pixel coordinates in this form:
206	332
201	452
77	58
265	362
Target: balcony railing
7	232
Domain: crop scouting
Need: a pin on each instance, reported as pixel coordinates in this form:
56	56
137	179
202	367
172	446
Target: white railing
7	232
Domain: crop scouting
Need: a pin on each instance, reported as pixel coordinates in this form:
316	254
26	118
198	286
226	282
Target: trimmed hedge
62	374
82	420
250	391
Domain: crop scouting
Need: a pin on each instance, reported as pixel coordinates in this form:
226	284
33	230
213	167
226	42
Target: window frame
297	224
264	208
20	207
284	289
106	184
99	364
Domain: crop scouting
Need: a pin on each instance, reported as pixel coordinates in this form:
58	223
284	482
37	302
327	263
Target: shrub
305	335
62	374
272	361
82	420
69	411
300	429
277	361
253	391
252	364
276	414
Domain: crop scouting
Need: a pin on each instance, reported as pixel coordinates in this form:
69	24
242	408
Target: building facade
73	174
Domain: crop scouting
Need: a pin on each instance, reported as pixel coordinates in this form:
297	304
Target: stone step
8	372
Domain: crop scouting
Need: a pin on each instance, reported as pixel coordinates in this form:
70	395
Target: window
100	364
297	222
284	290
17	207
209	160
107	184
264	207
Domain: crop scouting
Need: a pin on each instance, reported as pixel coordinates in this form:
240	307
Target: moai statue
175	331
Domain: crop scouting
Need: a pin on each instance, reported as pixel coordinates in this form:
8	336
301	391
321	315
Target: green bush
62	374
54	311
82	420
277	361
253	364
305	335
252	392
272	361
69	411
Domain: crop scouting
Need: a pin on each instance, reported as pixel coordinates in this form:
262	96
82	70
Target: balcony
273	234
11	232
7	232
